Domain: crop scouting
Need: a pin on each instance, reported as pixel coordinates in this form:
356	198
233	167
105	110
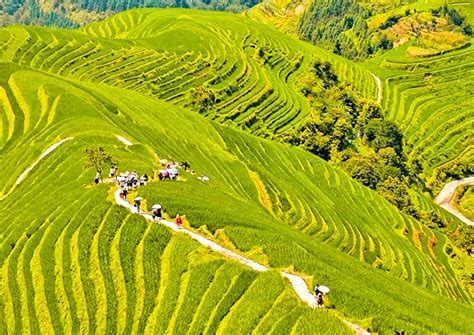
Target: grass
132	58
429	100
464	201
111	270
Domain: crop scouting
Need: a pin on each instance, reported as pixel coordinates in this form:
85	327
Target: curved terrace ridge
298	283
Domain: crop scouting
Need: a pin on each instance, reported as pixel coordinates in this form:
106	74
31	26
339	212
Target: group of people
156	212
170	169
157	215
129	180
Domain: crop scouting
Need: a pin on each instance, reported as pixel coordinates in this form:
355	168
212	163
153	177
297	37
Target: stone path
298	283
43	155
379	86
124	140
445	198
32	166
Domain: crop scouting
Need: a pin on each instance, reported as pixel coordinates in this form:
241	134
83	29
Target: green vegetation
464	201
251	87
429	100
281	14
320	235
73	262
67	14
358	30
99	159
351	132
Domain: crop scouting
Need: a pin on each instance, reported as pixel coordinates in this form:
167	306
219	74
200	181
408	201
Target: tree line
351	132
341	26
59	12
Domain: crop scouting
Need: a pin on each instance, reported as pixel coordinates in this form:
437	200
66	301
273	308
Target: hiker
138	200
97	177
178	220
112	172
173	173
185	165
316	290
156	213
319	292
143	179
319	300
164	174
124	193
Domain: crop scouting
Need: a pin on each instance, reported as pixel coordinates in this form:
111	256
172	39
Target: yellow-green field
72	261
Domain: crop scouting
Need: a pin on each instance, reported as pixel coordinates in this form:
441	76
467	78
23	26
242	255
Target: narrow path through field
445	198
298	283
124	140
379	88
32	166
43	155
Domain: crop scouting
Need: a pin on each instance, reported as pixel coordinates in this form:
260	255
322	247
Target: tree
383	134
99	159
202	98
396	192
365	170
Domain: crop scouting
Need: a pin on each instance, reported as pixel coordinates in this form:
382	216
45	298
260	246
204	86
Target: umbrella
323	289
156	206
138	199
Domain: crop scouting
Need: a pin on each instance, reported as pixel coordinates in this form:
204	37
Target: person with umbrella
156	213
138	201
319	292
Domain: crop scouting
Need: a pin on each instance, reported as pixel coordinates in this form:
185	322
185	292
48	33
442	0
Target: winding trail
379	85
124	140
32	166
298	283
43	155
445	198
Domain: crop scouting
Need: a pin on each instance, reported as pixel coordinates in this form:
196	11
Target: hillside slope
427	76
431	101
66	13
319	223
167	56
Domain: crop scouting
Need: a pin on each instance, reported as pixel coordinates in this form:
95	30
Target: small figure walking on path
156	213
113	171
316	290
319	300
319	292
138	201
124	193
97	177
178	220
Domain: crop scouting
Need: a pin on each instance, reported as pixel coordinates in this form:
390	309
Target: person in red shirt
178	220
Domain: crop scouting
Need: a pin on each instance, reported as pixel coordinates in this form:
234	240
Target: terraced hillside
83	263
432	102
274	203
166	56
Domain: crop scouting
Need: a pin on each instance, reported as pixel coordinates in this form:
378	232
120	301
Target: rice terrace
224	167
